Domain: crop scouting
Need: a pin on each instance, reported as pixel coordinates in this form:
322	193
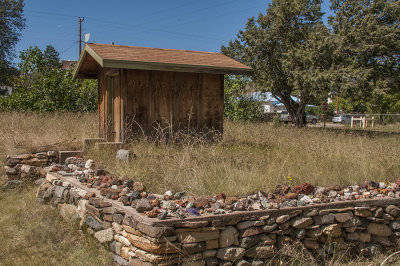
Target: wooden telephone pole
80	34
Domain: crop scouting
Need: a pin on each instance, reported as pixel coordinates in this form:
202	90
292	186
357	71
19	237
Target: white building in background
6	89
270	104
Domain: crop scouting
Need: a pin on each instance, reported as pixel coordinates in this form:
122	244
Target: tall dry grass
259	156
250	157
31	233
24	132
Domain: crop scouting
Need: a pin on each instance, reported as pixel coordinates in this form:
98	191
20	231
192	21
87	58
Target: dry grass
259	156
35	234
31	233
250	157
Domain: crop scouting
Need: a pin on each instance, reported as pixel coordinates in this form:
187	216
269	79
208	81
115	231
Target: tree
43	86
289	50
11	25
367	54
238	104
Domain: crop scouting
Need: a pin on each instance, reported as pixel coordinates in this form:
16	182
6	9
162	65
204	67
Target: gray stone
248	242
118	218
261	252
194	247
247	224
105	235
211	261
11	184
378	212
123	155
121	261
269	228
352	236
229	237
343	217
301	222
143	205
93	223
243	263
332	230
393	210
384	241
395	225
300	233
283	218
59	191
313	233
230	253
311	244
379	229
353	221
69	212
310	213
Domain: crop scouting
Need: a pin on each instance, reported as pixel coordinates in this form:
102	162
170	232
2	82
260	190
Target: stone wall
27	167
364	226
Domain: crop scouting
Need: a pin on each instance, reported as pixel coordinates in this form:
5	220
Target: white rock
89	164
382	185
106	235
123	155
50	177
306	199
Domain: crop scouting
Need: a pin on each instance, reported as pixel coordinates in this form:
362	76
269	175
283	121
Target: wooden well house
149	90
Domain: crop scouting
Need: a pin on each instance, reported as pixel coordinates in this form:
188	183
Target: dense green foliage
367	48
294	54
238	104
43	86
11	24
288	51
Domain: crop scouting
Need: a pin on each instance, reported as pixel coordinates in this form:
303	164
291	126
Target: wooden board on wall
117	108
186	100
138	102
101	103
163	84
212	102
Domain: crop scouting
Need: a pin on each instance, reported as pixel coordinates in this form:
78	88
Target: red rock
155	203
305	188
153	213
220	196
291	195
282	189
201	203
230	200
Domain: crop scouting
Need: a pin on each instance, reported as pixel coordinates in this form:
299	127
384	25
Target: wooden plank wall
102	85
154	100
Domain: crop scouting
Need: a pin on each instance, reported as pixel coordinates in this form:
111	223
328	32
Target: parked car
343	119
285	117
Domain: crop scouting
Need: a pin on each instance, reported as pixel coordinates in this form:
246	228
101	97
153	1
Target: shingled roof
132	57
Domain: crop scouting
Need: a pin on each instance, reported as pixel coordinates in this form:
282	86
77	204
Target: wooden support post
352	120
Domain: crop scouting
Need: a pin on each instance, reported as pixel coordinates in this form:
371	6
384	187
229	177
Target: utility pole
80	34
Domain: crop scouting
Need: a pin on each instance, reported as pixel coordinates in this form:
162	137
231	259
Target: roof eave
91	52
111	63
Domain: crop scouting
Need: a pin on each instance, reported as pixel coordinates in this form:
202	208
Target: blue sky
177	24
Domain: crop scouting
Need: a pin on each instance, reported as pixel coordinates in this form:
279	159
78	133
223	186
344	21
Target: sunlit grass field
250	157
